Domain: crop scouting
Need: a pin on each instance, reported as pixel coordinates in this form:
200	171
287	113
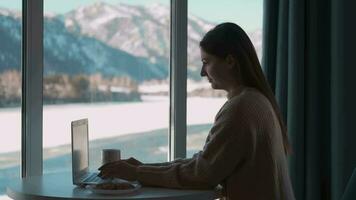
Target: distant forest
63	88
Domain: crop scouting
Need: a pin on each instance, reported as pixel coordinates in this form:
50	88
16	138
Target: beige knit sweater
243	152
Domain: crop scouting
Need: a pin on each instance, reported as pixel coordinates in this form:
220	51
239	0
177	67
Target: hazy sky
247	13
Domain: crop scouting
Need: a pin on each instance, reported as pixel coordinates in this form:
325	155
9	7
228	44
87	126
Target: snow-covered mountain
114	39
69	53
138	30
66	52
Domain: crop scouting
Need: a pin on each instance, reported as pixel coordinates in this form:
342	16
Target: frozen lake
105	119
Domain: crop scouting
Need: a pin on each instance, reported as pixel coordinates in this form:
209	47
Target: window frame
32	85
178	80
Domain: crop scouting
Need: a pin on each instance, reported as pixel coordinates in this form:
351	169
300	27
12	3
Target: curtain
309	59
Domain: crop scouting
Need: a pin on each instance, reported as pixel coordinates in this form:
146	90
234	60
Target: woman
245	151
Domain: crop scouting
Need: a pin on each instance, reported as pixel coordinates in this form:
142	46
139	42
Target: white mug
110	155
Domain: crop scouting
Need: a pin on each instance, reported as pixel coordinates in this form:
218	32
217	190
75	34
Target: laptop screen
80	154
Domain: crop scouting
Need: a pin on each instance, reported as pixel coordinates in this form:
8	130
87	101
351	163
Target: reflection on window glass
10	92
203	102
107	61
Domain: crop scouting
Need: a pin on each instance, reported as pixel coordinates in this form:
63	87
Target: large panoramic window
10	92
107	61
203	103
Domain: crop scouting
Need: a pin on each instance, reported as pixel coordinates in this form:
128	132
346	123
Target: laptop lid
80	150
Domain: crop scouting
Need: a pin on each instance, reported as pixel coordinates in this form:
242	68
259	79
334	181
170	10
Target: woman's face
218	71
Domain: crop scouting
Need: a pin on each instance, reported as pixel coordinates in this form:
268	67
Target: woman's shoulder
250	102
248	97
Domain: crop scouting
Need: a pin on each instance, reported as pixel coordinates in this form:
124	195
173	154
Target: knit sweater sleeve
229	145
179	160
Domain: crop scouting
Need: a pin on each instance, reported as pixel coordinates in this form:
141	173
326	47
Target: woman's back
262	172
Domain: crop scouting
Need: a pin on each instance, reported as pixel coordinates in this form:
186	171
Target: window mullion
32	74
178	80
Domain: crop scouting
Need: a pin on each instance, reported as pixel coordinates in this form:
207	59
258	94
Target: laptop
80	155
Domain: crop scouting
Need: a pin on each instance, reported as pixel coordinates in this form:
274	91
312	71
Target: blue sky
246	13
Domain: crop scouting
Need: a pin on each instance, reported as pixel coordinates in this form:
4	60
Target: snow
120	89
194	35
105	120
48	14
104	19
129	10
103	13
5	197
9	12
159	12
108	13
68	22
204	24
153	88
5	12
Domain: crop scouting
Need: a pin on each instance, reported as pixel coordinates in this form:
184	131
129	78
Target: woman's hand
133	161
124	169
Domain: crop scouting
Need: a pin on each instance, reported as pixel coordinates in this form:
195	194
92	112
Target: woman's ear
231	61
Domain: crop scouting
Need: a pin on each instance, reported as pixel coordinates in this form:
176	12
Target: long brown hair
230	39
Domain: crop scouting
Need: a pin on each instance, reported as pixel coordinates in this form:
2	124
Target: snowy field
105	119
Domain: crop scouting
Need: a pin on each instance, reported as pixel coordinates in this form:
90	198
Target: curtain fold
309	60
296	106
343	98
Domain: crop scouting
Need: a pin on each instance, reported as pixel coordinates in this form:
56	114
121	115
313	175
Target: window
10	91
107	61
203	102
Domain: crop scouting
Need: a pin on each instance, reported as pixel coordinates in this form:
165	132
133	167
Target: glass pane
203	102
107	61
10	92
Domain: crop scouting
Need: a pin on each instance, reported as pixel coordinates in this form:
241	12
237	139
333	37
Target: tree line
64	88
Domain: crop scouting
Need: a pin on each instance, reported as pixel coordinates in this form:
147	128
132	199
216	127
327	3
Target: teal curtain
309	58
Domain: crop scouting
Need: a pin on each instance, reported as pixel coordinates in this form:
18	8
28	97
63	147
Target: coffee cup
110	155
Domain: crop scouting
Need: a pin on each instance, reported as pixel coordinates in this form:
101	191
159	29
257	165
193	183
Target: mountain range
120	40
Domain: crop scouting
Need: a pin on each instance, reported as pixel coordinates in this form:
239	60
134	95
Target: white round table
59	186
